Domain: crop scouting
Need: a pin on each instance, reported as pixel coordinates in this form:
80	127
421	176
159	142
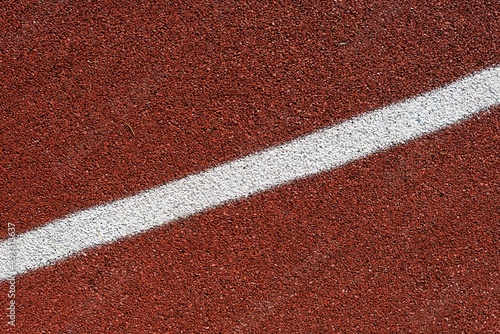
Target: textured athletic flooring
101	101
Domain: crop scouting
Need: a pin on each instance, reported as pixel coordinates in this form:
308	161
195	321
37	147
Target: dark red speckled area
100	100
403	242
201	83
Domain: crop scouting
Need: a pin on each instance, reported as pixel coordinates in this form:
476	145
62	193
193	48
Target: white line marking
308	155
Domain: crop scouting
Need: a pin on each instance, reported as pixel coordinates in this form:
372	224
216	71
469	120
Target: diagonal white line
314	153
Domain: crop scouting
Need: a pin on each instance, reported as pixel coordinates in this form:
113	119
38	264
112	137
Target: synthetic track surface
403	241
318	152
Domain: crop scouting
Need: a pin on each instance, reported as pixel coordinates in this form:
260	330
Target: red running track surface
100	101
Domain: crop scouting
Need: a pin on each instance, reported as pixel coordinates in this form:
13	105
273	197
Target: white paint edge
320	151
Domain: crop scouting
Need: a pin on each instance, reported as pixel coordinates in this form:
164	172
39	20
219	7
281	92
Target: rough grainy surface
101	100
201	83
317	152
404	241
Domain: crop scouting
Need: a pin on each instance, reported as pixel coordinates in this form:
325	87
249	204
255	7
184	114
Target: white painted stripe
314	153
